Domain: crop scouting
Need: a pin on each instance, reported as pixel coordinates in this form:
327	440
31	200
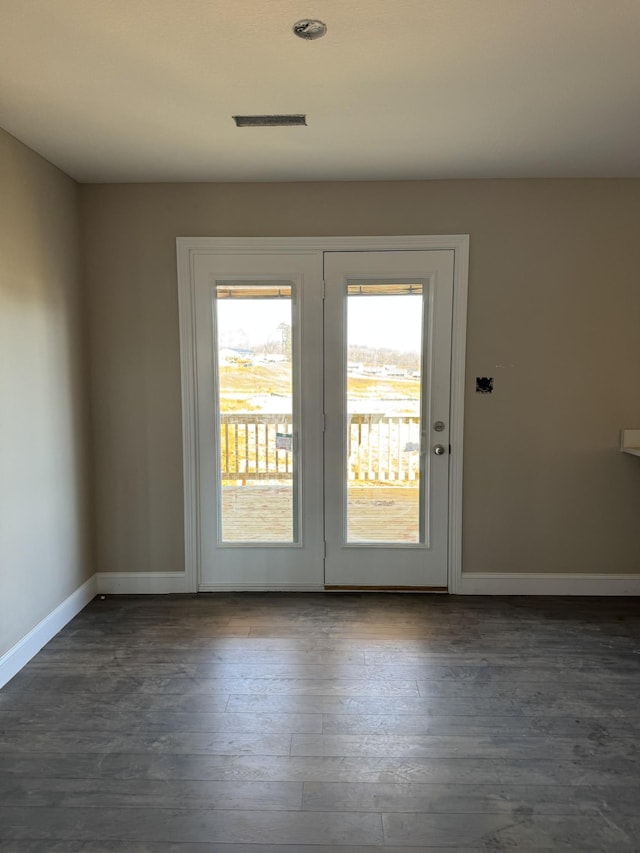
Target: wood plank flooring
309	723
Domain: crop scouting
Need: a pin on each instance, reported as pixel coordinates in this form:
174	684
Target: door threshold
354	588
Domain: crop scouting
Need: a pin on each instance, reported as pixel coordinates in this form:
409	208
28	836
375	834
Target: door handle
439	449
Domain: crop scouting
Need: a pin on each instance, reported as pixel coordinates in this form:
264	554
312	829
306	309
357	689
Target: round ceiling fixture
309	29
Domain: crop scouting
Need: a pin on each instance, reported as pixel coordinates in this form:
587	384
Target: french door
322	404
387	357
259	409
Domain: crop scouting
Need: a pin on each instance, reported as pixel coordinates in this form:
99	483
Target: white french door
322	405
259	410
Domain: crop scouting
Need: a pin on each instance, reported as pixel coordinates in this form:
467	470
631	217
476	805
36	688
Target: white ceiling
144	90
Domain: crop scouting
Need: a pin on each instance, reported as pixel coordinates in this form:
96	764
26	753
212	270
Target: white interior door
387	401
259	413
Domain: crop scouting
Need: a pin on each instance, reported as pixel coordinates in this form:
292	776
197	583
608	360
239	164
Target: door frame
190	247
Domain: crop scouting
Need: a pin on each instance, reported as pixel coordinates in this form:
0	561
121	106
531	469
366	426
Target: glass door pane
383	412
255	378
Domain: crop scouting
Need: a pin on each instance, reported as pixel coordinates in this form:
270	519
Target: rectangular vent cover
270	121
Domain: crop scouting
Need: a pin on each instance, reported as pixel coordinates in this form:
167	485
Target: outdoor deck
256	468
262	513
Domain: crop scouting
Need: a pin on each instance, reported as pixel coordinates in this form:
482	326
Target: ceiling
145	90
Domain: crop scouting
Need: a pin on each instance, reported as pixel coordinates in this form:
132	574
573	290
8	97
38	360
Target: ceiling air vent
270	121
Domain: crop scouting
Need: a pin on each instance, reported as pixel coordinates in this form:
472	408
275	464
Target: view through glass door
316	410
257	370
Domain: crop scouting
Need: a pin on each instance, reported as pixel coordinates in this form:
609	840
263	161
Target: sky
387	322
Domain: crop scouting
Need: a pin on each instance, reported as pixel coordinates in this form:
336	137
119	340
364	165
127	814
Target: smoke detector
309	29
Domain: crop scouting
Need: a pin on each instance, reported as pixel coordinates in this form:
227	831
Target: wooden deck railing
381	448
248	447
384	448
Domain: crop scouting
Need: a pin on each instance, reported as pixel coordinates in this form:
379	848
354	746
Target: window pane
384	384
258	467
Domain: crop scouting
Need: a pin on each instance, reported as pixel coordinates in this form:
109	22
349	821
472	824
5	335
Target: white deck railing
381	448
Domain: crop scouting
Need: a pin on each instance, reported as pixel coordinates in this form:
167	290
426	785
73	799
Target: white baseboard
19	655
497	583
141	583
470	583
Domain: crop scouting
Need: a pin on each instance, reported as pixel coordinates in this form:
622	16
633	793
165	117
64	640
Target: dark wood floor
256	723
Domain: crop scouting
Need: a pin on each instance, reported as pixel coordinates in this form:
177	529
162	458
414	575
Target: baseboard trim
19	655
141	583
471	583
496	583
356	588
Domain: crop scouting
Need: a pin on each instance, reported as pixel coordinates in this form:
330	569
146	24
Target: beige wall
44	520
554	311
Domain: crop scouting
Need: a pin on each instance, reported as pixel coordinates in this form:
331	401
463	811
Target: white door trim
189	247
